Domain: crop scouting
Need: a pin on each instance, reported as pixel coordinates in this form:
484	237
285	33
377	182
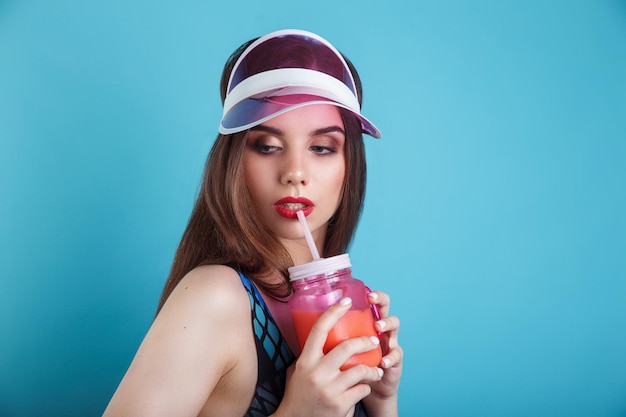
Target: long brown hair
223	227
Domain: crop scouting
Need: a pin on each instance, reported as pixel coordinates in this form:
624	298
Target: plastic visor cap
285	70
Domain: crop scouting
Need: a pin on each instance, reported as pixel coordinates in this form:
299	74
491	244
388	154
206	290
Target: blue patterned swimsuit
274	357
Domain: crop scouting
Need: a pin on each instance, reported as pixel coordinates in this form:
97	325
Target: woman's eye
323	150
266	149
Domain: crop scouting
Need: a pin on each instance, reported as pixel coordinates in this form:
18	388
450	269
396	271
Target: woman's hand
383	400
315	384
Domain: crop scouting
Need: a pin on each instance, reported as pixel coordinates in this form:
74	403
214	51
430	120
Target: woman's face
296	161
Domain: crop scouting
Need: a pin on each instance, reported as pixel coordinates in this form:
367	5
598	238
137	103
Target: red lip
291	213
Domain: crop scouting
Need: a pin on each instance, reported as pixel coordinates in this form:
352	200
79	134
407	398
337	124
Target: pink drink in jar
322	283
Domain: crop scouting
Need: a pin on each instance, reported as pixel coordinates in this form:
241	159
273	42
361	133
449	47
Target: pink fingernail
345	301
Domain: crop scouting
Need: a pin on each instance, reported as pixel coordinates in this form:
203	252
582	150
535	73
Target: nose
293	171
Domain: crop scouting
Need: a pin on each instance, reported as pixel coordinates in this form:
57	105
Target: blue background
495	213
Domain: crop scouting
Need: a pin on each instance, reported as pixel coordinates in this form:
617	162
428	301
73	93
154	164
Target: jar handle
375	310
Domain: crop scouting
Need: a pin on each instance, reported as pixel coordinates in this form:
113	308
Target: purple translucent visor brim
254	111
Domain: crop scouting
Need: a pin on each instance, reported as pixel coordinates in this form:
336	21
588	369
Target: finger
388	329
392	352
356	393
393	358
339	355
319	332
360	374
382	300
388	324
357	380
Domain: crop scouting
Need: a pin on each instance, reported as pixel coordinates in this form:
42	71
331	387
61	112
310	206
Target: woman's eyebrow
329	129
267	129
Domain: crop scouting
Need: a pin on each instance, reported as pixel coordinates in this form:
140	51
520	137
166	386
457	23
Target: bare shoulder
210	301
210	291
194	341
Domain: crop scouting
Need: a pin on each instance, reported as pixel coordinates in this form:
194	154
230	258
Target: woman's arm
188	348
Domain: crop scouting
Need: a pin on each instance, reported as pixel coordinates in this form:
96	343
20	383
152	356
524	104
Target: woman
290	139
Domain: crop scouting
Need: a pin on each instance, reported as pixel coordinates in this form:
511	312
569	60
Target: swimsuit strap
274	355
265	328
